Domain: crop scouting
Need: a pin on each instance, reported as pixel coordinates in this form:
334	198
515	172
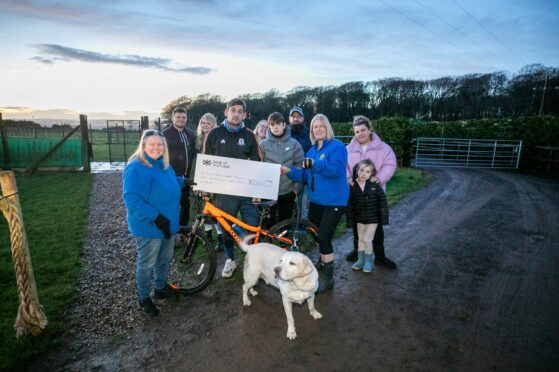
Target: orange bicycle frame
223	218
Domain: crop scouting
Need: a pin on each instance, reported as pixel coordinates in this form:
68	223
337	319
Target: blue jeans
304	195
233	205
154	255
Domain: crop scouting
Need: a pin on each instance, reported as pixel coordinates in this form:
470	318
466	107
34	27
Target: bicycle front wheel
193	265
304	232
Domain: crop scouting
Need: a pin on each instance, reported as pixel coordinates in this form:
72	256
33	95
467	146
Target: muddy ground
477	289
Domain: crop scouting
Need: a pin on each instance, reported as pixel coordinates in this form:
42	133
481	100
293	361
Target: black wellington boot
326	277
352	256
382	260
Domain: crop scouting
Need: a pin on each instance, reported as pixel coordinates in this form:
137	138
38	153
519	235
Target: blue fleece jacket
148	192
330	182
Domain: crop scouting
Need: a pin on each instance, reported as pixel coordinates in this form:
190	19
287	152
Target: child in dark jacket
369	208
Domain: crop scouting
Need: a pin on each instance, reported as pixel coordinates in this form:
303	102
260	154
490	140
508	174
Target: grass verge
55	207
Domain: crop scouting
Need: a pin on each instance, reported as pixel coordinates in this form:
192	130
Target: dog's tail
244	244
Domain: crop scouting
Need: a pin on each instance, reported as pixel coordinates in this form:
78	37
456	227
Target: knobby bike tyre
193	265
307	233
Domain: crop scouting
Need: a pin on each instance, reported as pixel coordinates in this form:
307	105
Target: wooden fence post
85	144
5	149
30	316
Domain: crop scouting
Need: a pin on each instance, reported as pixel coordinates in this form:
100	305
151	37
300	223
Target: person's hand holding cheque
284	169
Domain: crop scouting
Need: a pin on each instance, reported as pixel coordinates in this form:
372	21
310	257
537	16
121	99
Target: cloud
53	52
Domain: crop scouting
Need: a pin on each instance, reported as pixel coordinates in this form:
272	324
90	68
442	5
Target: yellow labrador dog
292	272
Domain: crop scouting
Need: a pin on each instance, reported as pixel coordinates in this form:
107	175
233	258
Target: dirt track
477	289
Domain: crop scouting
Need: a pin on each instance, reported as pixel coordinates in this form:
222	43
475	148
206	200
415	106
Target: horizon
129	59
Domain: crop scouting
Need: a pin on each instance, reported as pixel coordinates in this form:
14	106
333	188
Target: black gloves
307	163
162	224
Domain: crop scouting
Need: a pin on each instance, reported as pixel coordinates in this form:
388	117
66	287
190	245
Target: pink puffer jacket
379	152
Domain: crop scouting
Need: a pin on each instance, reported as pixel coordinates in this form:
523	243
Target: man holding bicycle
233	139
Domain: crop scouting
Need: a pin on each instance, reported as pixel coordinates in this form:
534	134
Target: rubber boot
220	246
358	265
326	277
352	256
368	266
319	264
382	260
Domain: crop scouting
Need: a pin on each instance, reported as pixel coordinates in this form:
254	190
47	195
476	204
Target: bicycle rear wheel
306	233
193	265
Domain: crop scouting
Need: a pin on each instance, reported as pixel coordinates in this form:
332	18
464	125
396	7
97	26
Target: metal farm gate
122	138
467	153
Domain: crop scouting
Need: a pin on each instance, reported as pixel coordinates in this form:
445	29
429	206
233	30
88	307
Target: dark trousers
233	205
378	240
185	207
281	211
326	218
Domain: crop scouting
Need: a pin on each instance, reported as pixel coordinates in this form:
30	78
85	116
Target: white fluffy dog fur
292	272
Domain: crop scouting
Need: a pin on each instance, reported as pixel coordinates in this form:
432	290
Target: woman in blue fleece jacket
324	174
152	193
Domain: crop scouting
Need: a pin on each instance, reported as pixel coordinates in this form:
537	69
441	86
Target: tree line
533	91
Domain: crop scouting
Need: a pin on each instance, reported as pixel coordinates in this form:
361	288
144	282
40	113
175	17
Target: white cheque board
220	175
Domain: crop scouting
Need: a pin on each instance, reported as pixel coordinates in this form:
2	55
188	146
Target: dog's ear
307	267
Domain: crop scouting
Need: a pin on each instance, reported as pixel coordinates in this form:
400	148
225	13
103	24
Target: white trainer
228	268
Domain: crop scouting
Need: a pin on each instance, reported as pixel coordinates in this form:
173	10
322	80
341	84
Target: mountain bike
194	261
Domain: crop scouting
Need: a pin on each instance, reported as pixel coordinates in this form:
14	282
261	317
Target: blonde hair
255	131
200	137
140	153
326	122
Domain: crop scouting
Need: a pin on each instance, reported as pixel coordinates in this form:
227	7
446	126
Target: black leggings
326	218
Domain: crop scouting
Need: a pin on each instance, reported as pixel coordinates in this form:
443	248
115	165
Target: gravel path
107	305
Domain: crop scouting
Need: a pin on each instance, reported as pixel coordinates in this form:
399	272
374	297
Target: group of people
326	177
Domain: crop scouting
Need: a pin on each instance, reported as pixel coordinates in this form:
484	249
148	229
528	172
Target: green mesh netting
25	151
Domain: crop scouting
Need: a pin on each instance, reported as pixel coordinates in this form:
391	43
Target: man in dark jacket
299	129
181	144
301	133
233	139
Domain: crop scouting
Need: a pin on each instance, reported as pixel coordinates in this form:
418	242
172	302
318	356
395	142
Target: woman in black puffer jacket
369	209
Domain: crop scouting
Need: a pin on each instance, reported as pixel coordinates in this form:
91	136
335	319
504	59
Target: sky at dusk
130	57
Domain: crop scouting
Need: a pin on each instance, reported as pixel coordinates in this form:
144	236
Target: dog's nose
277	269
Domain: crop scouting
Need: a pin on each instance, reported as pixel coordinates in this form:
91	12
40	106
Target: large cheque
217	174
